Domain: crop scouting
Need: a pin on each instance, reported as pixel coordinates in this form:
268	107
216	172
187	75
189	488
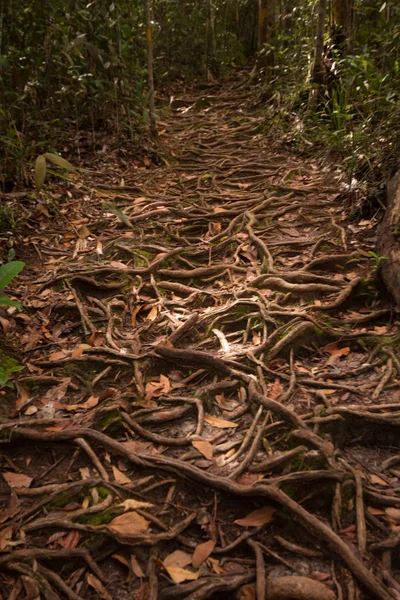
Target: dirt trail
208	343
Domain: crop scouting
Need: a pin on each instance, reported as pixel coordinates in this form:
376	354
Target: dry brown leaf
98	586
5	538
258	517
130	523
117	264
76	352
276	390
393	514
220	423
71	540
57	355
178	575
135	313
84	232
215	565
334	350
23	398
204	447
90	403
15	480
178	558
375	511
132	504
202	552
31	588
56	393
136	568
8	513
120	477
378	480
152	315
120	559
96	339
247	592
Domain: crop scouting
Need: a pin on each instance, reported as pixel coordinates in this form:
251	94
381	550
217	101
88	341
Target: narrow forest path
211	388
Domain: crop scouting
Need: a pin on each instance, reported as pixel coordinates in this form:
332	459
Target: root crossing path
210	401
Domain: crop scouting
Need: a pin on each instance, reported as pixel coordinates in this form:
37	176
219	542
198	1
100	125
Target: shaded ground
210	369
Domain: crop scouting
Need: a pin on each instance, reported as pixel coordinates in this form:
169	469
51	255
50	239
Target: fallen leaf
375	511
120	559
136	568
56	393
96	339
31	587
55	356
85	473
15	480
90	403
393	514
215	565
98	586
117	265
5	538
178	575
258	517
131	504
202	552
83	232
378	480
178	558
23	398
276	390
135	313
130	523
71	540
8	513
217	422
247	592
76	352
152	315
119	476
204	447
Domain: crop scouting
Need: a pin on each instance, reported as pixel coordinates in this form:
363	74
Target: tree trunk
388	244
266	22
150	72
317	71
213	52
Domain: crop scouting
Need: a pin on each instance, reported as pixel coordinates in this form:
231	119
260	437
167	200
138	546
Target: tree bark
388	244
266	22
317	71
150	71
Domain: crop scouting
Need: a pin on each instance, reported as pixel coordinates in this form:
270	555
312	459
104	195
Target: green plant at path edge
7	274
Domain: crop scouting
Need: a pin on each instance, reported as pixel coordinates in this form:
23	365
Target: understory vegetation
73	71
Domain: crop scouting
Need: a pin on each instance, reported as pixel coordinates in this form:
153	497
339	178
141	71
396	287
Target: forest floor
210	401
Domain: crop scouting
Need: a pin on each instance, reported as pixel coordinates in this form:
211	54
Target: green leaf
6	301
9	271
40	172
118	213
55	159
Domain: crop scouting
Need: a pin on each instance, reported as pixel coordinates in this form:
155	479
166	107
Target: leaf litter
211	377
